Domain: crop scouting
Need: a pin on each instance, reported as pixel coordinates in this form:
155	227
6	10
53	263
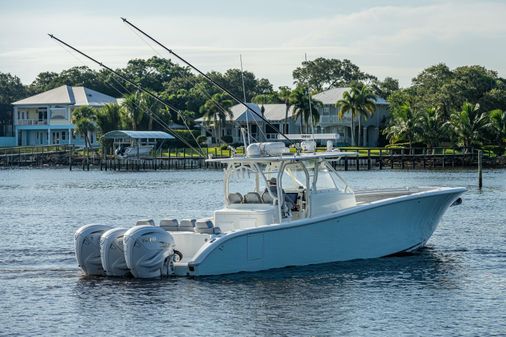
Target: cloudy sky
384	37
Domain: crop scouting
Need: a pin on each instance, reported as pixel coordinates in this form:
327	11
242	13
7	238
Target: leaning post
480	164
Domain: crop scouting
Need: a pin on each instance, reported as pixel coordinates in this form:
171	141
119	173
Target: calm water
456	286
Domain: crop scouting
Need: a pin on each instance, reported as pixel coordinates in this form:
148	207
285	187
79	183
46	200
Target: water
456	286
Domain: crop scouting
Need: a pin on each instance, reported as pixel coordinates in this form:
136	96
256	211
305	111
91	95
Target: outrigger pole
158	99
234	97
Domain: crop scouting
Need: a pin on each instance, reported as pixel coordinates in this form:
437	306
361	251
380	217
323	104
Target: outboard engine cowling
87	245
148	251
112	253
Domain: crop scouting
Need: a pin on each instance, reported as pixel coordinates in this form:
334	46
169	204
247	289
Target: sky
383	37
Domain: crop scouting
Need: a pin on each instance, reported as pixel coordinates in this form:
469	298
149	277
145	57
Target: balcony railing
334	119
31	122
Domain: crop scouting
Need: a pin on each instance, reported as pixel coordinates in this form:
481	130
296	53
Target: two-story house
331	123
46	118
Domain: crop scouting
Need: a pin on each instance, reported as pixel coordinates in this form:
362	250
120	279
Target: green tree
216	110
284	96
84	120
497	123
232	81
403	126
11	89
386	87
108	118
431	127
303	108
360	102
133	111
366	104
468	125
322	73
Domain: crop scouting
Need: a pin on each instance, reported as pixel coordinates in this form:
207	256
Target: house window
272	129
42	114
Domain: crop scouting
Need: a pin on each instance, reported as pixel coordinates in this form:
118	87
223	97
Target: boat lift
128	143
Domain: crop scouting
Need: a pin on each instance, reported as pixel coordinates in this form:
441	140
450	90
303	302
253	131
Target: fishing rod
234	97
136	86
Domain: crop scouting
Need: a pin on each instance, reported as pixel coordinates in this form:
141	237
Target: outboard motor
87	243
149	251
112	253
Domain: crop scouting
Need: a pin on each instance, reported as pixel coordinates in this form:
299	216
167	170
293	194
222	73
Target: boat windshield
321	176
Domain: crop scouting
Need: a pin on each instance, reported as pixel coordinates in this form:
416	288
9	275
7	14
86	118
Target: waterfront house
46	118
331	123
330	126
241	117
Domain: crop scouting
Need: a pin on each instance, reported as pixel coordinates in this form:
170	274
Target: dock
72	157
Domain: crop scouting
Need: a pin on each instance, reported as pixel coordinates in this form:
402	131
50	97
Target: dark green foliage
202	139
322	73
188	135
227	139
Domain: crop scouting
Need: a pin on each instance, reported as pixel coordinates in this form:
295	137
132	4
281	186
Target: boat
281	208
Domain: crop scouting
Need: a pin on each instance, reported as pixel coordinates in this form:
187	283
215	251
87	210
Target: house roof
272	112
68	95
332	95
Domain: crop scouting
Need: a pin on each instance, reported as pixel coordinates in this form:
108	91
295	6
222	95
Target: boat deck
367	196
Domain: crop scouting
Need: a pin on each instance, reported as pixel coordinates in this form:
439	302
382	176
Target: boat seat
235	198
266	198
252	198
187	225
206	226
142	222
170	225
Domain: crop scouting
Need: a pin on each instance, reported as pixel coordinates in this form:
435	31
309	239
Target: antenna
244	95
310	105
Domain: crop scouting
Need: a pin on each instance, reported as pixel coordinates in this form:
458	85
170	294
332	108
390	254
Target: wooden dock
182	159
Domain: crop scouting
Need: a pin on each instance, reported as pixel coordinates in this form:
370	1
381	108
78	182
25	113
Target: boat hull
373	230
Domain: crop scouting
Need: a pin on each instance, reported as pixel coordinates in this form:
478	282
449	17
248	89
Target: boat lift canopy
128	134
136	143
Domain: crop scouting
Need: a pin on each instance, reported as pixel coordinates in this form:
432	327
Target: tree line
464	106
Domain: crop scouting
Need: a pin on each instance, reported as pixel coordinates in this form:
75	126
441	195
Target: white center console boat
280	209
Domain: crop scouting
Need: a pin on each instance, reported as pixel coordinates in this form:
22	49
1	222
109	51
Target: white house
45	118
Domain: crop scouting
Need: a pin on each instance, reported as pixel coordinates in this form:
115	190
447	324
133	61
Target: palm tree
348	104
359	101
366	104
134	111
304	108
284	95
468	125
431	127
149	106
217	109
403	125
84	120
108	118
498	124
